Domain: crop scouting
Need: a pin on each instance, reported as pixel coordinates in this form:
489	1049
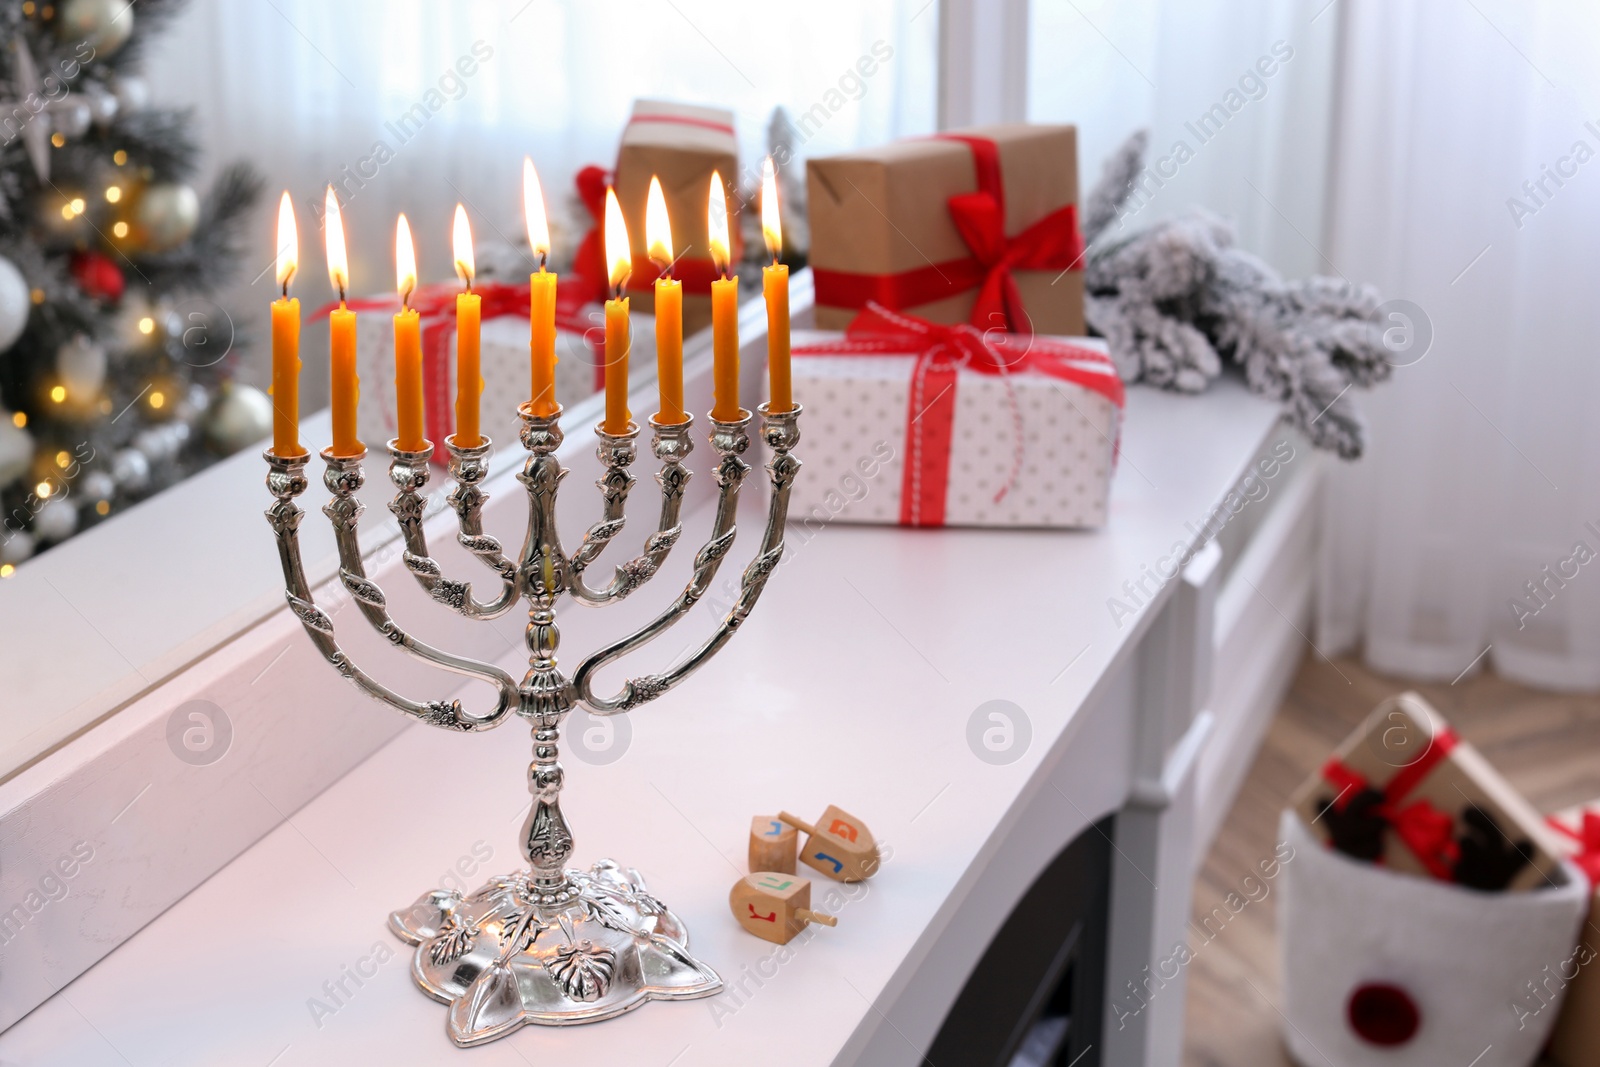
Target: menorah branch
730	439
286	479
409	471
671	444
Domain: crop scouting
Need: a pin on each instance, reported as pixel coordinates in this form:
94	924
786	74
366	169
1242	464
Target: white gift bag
1434	974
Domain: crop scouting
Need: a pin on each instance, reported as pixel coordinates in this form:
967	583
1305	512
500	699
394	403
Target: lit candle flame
717	224
333	232
461	241
533	212
658	227
618	253
771	228
288	243
405	261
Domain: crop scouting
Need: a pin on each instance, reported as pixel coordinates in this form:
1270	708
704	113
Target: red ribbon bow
1051	243
1587	835
435	304
589	265
941	351
1428	832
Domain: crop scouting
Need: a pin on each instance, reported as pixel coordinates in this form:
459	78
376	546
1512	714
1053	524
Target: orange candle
344	386
724	312
669	308
469	316
618	339
775	287
286	341
407	344
541	296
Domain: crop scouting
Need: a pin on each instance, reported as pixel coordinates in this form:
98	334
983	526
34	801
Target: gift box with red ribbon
504	357
1576	1041
1405	792
977	226
924	424
681	144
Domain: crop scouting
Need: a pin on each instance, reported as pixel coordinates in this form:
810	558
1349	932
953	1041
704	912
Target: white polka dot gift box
918	424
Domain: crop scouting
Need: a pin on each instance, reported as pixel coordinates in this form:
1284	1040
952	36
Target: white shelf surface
852	683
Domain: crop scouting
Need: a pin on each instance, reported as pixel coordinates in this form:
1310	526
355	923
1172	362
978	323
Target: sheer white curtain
1468	525
1114	66
307	88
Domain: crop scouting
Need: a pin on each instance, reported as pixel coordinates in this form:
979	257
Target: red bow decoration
1428	832
589	265
1052	243
940	353
436	305
1587	835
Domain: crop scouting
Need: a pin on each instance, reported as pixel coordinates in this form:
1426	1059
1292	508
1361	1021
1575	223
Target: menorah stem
546	838
546	693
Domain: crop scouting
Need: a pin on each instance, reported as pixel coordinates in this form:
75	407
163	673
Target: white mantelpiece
853	683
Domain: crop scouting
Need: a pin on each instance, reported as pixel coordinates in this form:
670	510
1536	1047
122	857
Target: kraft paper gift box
682	145
1404	791
1576	1041
897	435
504	361
977	225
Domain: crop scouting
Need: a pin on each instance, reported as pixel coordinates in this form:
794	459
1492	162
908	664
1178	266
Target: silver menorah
547	944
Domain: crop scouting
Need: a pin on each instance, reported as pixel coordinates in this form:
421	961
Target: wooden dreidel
773	844
775	906
839	845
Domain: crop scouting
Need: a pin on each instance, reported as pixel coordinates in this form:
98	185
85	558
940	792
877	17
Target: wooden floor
1547	744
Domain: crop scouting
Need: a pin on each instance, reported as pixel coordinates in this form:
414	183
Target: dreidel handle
808	916
798	824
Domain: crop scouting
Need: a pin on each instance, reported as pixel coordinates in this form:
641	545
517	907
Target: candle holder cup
546	944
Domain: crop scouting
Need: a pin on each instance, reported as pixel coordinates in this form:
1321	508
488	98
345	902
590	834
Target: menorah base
509	954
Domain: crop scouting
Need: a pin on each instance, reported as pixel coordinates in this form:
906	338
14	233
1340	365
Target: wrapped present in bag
1423	900
977	225
922	424
1576	1041
1404	791
1385	968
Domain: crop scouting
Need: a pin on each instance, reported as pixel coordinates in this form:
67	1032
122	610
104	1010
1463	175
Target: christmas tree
114	363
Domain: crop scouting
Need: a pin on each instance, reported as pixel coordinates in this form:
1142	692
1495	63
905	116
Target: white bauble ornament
81	365
161	444
16	450
133	93
194	404
14	303
95	487
103	107
166	214
55	520
241	416
106	24
70	117
130	470
18	547
135	307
